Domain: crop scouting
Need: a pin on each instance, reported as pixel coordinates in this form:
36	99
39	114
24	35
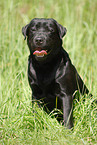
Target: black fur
51	75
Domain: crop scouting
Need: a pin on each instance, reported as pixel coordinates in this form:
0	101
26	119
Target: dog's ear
24	31
62	30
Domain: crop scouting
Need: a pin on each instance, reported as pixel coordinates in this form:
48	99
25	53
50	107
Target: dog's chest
45	77
42	76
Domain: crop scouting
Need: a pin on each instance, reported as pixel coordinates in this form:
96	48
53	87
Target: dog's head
44	37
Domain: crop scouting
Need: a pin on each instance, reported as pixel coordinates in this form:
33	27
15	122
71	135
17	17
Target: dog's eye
33	29
51	30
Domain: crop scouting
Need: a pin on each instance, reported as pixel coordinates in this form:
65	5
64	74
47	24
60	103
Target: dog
51	74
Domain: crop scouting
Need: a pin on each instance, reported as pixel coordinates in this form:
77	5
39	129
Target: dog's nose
39	40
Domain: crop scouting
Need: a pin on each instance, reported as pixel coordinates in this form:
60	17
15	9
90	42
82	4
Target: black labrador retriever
51	74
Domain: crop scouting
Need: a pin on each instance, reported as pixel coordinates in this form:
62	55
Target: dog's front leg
67	111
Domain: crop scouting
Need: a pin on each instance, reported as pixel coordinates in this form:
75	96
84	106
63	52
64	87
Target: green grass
18	123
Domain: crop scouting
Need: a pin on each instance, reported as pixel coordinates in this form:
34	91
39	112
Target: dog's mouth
40	53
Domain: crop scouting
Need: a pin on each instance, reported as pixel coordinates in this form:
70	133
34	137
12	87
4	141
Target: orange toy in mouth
40	53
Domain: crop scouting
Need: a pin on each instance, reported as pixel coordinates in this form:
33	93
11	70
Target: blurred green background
18	123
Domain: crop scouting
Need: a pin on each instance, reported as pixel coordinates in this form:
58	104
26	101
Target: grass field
18	124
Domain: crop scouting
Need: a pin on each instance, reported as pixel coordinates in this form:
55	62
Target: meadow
18	124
